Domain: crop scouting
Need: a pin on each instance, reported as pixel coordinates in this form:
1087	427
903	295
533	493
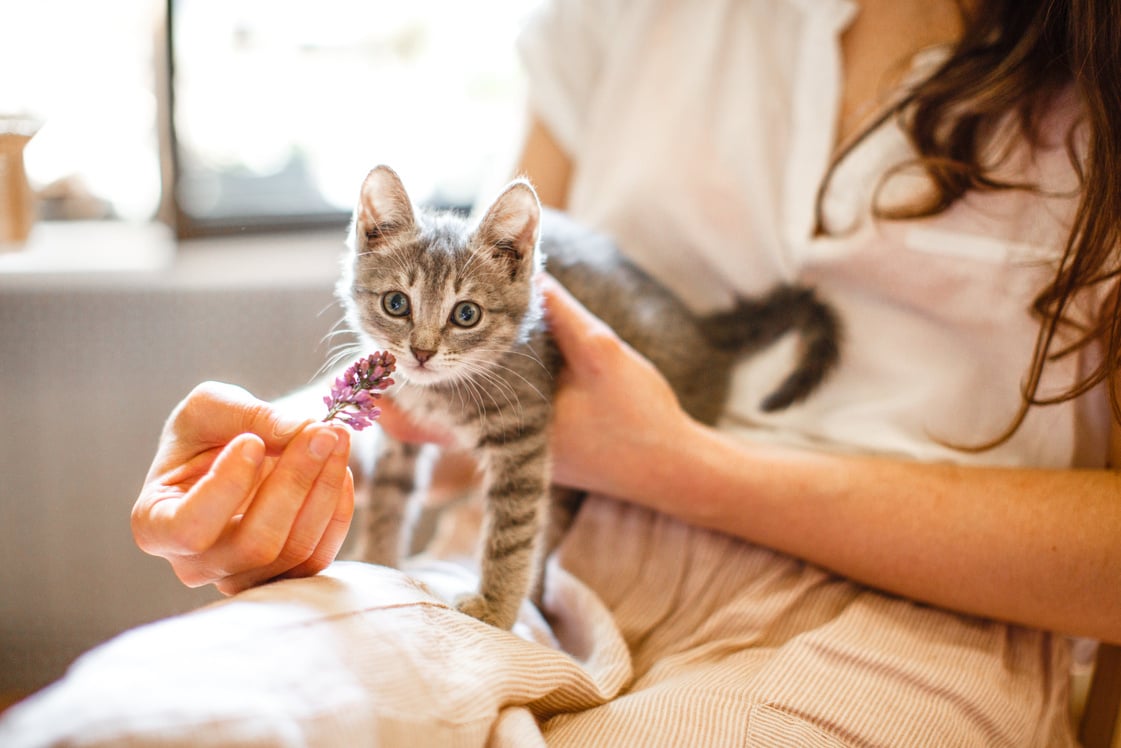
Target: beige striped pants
660	635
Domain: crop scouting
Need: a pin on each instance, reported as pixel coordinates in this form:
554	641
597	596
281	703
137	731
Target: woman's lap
732	644
661	635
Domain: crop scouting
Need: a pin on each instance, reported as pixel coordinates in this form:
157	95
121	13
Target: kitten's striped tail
756	323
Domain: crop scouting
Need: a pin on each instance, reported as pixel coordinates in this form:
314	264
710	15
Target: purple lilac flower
353	395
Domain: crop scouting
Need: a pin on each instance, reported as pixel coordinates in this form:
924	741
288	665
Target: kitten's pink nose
422	355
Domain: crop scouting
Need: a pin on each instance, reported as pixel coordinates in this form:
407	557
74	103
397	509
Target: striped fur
457	306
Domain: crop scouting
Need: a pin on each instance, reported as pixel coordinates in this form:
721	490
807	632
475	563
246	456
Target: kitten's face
445	299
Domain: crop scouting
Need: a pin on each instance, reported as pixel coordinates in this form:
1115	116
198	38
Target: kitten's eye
395	304
466	314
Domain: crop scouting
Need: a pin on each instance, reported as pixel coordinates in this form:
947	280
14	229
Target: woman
882	564
989	516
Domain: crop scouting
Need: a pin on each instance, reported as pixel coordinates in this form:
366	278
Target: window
84	72
280	107
273	109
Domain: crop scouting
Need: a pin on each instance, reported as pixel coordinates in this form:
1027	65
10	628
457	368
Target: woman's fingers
572	326
314	534
333	535
240	493
288	511
188	524
214	413
331	495
263	531
608	398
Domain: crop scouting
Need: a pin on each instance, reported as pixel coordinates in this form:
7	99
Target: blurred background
188	169
273	111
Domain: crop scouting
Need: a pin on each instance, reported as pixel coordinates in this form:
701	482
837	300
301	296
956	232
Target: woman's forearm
1036	547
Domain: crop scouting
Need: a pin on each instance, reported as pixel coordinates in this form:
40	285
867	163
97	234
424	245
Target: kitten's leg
518	485
563	505
393	484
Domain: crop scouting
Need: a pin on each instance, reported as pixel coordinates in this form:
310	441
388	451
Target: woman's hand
615	415
239	494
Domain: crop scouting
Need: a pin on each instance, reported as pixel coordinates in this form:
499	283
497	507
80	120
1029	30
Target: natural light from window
281	110
280	107
84	70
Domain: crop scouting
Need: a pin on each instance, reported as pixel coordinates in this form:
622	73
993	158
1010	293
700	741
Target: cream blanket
659	634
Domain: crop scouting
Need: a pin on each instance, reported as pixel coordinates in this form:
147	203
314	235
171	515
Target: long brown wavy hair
1014	57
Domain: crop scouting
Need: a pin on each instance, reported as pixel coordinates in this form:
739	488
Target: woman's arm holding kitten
1031	546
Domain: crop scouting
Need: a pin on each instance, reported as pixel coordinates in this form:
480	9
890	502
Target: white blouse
700	132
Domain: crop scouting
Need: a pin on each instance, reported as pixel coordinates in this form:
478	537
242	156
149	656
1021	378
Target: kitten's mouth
421	373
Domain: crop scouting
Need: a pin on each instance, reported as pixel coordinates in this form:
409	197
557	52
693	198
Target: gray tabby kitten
457	306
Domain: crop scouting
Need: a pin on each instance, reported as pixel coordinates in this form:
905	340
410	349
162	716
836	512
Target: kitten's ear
384	207
510	228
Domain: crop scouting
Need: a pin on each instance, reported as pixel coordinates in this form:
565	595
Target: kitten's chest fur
515	392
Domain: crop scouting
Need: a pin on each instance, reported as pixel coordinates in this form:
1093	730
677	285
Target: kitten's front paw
477	606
